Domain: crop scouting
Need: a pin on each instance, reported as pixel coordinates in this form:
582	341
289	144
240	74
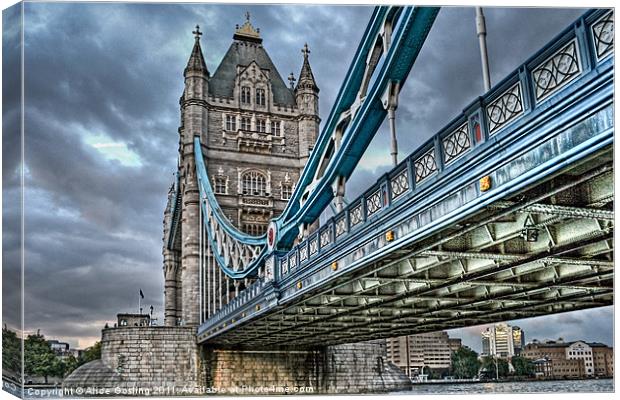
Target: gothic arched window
245	124
275	128
260	125
245	95
231	123
254	183
260	97
220	185
287	191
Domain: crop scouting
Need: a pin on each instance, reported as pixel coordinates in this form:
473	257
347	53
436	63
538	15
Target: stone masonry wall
165	361
155	356
346	369
143	361
361	368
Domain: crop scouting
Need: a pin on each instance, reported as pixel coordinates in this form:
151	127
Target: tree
523	366
495	367
71	363
39	358
11	351
465	364
90	354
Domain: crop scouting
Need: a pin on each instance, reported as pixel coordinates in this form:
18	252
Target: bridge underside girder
547	250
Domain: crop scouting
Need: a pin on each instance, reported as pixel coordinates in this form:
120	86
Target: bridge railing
535	84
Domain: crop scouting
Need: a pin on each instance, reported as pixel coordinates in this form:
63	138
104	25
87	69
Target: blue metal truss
522	131
410	29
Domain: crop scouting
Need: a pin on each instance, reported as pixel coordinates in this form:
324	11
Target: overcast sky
102	89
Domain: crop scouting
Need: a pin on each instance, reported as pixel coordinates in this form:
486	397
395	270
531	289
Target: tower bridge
506	212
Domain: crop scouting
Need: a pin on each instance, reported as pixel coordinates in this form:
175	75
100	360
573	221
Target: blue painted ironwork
505	109
410	28
582	109
456	144
176	214
235	252
558	70
425	165
603	35
412	25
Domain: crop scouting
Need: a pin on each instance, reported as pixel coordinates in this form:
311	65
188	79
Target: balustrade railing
579	49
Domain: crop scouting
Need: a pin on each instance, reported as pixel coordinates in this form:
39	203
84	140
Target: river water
572	386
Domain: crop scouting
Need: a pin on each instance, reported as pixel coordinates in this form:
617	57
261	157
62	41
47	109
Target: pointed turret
306	78
196	60
307	98
196	93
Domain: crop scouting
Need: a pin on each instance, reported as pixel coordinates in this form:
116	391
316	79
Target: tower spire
196	60
306	77
247	32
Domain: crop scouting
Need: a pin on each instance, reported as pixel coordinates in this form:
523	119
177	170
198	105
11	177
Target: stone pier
343	369
164	360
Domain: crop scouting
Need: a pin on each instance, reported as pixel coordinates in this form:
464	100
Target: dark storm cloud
11	272
113	72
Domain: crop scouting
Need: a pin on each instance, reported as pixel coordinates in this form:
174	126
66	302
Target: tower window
245	124
245	95
254	229
260	125
260	97
220	185
254	183
231	123
287	191
275	128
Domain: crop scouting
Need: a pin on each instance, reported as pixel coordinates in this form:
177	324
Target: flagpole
481	31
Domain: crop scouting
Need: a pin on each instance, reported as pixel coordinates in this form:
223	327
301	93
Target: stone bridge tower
256	133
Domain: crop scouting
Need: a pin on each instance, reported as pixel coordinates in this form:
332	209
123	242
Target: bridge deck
506	213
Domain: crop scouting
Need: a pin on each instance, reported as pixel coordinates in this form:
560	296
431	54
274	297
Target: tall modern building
256	133
422	353
502	340
518	339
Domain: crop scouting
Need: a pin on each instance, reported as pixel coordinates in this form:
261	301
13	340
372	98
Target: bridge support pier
348	368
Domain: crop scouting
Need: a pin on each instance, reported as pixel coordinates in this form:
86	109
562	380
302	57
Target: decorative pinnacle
197	32
291	79
247	16
305	50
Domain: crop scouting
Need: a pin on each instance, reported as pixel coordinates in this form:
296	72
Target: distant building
455	344
518	339
58	347
603	357
486	342
422	353
498	341
578	359
63	350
